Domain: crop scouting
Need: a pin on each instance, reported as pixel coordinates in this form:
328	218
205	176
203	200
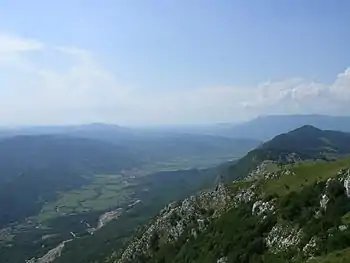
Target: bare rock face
342	228
261	208
324	198
244	195
310	248
260	170
347	182
283	237
324	201
222	260
194	212
343	176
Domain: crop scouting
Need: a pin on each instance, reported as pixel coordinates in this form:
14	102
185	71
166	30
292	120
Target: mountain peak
304	139
308	126
306	129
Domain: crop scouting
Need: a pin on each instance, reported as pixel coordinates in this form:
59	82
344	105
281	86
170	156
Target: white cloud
11	44
43	84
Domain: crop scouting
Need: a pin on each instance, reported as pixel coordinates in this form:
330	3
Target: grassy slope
306	173
341	256
104	192
306	143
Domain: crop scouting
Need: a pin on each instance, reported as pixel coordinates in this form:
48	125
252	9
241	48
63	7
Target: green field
179	163
103	193
110	191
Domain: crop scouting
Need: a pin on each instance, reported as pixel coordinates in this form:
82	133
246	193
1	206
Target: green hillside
293	205
304	143
280	221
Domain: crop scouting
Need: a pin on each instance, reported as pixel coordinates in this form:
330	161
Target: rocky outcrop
261	208
324	201
342	228
260	170
51	255
283	237
347	182
192	214
342	176
108	216
222	260
244	195
310	249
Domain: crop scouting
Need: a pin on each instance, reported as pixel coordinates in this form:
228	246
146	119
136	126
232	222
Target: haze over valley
174	131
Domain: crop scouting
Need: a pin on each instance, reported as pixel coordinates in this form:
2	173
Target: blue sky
161	62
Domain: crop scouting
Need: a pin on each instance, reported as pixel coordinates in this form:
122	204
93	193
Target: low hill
151	145
311	140
306	142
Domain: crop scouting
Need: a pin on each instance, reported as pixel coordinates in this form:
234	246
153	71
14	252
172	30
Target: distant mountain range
147	144
262	128
93	130
266	127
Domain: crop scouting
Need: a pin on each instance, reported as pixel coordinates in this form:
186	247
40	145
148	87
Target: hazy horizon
155	63
169	125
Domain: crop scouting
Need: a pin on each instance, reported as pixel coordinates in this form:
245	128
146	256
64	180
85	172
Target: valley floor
81	214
